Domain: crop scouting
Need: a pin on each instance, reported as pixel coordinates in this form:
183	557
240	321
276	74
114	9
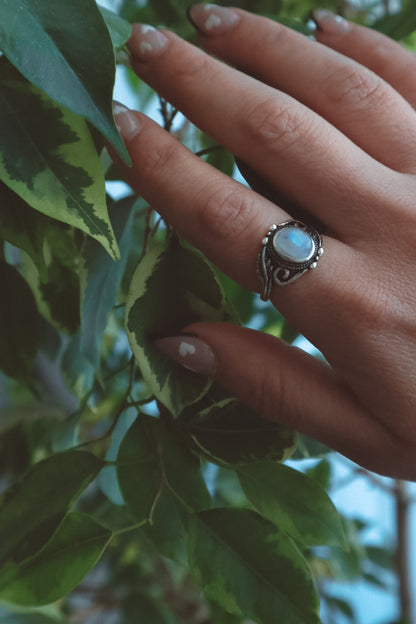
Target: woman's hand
329	130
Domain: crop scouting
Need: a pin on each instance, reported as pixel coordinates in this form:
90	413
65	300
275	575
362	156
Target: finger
267	190
382	55
291	387
273	133
350	96
227	222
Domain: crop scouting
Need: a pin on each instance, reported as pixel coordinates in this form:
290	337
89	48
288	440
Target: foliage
107	449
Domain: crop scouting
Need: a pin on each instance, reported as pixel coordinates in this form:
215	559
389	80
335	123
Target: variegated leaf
47	157
172	287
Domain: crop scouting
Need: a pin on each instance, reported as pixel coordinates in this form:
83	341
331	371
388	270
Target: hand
330	130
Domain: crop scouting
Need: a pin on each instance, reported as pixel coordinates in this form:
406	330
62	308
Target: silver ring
288	251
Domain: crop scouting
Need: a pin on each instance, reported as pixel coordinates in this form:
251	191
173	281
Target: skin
329	130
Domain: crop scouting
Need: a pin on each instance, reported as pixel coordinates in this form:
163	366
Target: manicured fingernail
146	42
330	23
190	352
211	19
126	121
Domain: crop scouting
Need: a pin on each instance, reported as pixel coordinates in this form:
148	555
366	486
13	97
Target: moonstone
294	245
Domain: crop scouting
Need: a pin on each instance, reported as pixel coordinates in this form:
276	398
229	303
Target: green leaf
150	459
147	609
172	287
399	25
47	156
168	532
26	618
340	605
43	495
381	557
298	505
119	28
77	370
22	226
293	23
250	568
231	433
321	473
54	279
59	48
59	567
19	324
102	278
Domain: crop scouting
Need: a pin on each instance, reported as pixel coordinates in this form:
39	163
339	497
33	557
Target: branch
403	501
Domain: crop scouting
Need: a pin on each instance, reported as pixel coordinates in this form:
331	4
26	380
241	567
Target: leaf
101	277
341	605
55	280
231	433
22	226
107	478
77	370
399	25
149	610
151	459
48	158
293	23
19	324
172	287
26	618
59	567
43	495
59	48
168	531
250	568
321	473
381	557
299	506
119	28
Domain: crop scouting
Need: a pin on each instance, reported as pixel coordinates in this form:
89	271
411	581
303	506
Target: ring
289	250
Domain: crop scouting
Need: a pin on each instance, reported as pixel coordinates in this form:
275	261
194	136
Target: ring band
289	250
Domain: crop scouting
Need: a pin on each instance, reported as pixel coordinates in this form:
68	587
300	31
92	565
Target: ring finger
221	217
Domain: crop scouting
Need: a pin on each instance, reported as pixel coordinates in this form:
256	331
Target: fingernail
191	352
211	19
146	42
126	121
330	23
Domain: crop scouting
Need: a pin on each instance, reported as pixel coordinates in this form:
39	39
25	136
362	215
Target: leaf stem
130	528
123	406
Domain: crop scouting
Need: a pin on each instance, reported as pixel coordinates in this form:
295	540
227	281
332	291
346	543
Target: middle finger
279	137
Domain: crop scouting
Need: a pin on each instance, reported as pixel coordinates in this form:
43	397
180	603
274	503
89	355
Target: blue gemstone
294	245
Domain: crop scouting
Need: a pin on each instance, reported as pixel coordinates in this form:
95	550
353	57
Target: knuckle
278	127
192	68
225	213
156	159
355	86
268	396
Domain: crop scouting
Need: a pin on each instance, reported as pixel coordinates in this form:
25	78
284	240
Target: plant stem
402	502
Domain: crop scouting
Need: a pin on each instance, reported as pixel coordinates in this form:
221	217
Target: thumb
281	383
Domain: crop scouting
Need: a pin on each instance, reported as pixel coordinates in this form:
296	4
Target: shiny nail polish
191	352
211	19
126	121
146	42
329	23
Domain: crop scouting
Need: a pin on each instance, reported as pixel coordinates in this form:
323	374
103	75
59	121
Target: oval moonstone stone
294	245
